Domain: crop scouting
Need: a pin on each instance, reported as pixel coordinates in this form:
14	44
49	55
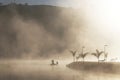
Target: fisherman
53	63
56	62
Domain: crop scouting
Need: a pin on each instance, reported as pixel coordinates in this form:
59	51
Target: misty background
47	30
37	31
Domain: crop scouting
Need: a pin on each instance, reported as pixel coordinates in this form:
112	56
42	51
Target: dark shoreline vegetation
102	67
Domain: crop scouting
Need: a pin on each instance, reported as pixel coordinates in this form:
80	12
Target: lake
39	70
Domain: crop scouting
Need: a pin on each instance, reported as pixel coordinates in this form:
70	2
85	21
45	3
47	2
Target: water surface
37	70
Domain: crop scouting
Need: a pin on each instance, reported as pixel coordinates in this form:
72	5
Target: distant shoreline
104	67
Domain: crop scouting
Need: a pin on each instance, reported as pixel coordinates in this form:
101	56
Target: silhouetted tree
26	4
97	54
73	54
1	4
77	57
106	55
83	55
20	4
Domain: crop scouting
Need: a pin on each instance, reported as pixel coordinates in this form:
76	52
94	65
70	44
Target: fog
31	36
34	69
52	32
23	37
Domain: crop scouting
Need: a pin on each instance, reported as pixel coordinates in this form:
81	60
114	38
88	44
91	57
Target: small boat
53	63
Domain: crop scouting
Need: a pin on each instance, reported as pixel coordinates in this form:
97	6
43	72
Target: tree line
83	55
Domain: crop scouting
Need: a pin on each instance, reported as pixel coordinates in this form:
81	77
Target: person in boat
53	62
57	63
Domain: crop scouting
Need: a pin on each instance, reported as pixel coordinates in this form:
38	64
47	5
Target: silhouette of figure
52	62
57	63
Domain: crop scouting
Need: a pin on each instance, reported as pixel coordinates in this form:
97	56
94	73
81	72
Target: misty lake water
37	70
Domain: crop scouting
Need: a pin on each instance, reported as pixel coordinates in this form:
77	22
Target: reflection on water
25	70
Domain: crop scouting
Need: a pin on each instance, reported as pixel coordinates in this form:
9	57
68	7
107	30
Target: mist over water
36	70
30	32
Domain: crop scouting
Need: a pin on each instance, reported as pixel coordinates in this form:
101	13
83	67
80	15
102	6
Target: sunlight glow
103	24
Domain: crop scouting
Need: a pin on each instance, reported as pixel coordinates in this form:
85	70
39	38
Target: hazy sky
102	22
70	3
